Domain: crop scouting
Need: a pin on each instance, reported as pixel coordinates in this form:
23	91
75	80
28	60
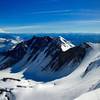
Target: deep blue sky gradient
50	15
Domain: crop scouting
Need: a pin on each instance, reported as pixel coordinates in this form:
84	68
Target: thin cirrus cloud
63	25
70	12
52	12
83	26
2	30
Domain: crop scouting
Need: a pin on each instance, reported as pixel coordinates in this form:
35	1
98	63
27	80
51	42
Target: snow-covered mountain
48	68
8	43
48	58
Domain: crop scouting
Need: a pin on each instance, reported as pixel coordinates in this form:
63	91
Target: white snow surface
93	95
8	44
65	45
71	87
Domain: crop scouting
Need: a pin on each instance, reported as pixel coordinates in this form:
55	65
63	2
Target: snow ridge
45	68
65	45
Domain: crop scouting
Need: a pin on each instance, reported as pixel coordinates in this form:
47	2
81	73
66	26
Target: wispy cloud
52	12
70	12
83	26
2	30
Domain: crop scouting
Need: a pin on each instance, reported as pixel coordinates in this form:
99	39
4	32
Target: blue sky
62	16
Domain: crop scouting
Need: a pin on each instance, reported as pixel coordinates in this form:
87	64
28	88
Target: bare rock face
45	55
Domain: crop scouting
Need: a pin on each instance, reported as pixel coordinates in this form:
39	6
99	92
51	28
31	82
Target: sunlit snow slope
46	68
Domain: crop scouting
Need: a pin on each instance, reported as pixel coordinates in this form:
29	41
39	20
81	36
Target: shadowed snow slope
41	69
43	58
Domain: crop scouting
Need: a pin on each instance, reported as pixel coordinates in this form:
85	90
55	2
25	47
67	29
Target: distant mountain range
75	38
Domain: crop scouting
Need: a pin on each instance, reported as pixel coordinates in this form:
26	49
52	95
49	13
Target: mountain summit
44	58
49	68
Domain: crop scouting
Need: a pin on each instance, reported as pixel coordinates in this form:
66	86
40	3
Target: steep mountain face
62	67
44	58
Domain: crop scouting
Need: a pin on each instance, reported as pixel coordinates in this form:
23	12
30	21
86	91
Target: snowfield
93	95
83	83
